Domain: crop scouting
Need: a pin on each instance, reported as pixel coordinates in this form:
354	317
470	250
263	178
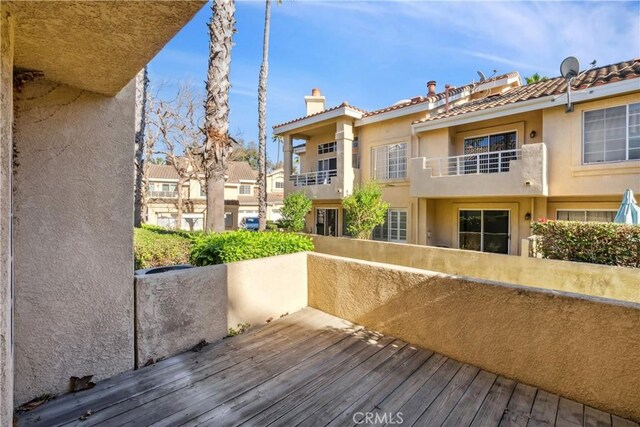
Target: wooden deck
311	369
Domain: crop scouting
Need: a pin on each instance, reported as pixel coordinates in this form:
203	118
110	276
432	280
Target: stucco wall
567	175
581	348
6	148
73	236
589	279
175	310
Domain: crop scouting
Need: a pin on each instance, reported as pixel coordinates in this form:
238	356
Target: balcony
519	172
323	185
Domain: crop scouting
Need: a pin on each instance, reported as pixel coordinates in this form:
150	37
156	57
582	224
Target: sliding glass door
327	222
484	230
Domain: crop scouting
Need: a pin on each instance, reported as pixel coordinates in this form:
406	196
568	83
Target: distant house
470	167
240	197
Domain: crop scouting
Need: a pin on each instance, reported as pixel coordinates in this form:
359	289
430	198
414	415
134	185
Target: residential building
470	167
240	194
67	97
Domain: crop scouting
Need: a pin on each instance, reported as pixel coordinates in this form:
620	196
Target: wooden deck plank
596	418
370	400
279	407
441	408
216	389
545	409
253	401
469	404
494	405
342	401
200	378
570	413
415	405
621	422
321	397
519	408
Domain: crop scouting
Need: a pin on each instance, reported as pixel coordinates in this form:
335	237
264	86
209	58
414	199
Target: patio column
287	146
344	145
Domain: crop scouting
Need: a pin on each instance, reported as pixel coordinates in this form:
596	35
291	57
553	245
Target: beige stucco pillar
73	233
287	146
6	150
344	143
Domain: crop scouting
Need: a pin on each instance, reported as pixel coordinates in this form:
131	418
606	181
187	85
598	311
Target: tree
295	207
262	122
218	143
364	210
140	120
175	133
535	78
245	152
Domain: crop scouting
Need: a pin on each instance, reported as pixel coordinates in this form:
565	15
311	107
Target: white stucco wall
73	234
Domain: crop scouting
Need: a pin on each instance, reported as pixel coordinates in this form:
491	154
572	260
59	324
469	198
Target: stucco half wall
176	310
582	278
73	236
583	348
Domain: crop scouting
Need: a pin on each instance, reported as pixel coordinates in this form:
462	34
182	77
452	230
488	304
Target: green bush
295	207
364	210
593	242
242	245
162	230
155	248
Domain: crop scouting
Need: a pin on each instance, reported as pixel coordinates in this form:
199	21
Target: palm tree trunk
218	144
140	117
262	121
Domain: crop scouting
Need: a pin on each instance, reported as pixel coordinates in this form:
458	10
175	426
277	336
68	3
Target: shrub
243	245
162	230
593	242
364	210
153	248
295	207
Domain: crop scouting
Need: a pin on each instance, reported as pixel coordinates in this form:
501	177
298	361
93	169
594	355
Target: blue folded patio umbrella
629	212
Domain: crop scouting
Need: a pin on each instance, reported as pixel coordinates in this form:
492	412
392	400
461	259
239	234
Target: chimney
446	93
432	88
315	102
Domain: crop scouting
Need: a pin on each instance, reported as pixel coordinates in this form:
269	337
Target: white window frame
382	168
327	147
489	135
327	161
584	211
395	228
482	227
279	184
241	186
627	117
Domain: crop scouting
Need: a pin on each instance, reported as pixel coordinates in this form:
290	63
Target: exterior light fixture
527	216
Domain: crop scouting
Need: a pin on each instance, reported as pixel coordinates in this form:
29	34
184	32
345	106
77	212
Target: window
612	134
327	164
327	222
163	189
167	220
484	230
228	220
355	157
586	215
279	184
394	228
328	147
480	153
245	189
390	161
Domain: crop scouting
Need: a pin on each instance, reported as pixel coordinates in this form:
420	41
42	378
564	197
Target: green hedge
593	242
160	247
243	245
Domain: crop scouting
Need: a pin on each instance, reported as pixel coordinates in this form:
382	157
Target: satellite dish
482	76
570	67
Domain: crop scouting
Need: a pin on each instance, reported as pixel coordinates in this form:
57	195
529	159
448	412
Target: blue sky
375	53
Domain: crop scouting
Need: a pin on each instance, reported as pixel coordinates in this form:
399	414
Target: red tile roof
413	101
555	86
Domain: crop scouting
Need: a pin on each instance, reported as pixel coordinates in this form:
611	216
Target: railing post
478	163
